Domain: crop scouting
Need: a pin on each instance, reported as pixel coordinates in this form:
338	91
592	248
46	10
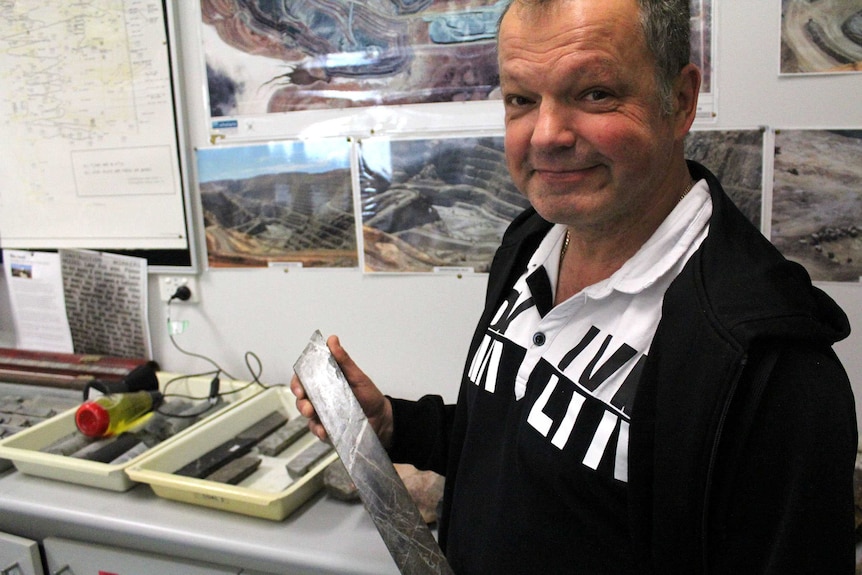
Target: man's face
586	141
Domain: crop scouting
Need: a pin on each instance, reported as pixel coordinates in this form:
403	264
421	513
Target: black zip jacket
743	432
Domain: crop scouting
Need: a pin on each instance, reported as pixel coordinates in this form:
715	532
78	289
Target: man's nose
555	127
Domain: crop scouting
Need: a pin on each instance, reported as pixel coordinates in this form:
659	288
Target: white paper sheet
38	306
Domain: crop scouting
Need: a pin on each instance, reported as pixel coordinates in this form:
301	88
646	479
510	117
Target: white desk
322	536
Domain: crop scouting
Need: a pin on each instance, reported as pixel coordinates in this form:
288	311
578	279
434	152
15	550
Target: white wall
410	333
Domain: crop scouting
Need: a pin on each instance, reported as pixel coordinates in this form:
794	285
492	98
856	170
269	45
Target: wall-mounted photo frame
279	203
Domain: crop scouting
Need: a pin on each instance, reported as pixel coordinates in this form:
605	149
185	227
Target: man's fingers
354	375
339	353
317	429
296	388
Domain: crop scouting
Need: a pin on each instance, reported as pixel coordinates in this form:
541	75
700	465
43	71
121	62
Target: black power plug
183	293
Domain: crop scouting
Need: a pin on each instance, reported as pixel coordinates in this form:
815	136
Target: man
651	387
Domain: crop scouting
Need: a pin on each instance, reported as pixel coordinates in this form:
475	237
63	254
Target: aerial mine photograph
817	201
821	37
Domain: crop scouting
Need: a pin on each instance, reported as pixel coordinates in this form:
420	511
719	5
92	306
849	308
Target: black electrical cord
255	371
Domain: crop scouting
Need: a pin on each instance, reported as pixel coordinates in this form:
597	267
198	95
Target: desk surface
322	536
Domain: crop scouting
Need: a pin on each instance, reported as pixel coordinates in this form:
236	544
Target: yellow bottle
115	413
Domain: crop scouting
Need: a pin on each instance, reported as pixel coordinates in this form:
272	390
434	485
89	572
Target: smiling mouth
567	174
559	170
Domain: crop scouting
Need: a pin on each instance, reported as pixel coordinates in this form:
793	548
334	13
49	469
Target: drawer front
66	557
19	556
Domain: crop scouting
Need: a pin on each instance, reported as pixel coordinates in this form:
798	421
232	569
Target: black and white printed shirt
543	467
581	360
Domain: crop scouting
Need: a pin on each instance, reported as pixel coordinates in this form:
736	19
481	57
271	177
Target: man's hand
374	404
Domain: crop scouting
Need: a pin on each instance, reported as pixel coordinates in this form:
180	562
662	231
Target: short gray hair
667	31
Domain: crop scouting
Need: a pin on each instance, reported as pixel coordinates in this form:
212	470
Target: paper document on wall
38	307
106	303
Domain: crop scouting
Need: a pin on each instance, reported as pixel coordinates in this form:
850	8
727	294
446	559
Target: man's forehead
569	12
524	8
592	24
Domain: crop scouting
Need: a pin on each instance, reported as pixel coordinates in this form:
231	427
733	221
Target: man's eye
517	101
596	95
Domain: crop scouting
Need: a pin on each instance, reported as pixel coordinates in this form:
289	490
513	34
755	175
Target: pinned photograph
435	204
817	201
823	37
272	57
736	159
288	203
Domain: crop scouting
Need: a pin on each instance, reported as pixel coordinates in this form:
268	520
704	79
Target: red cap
92	419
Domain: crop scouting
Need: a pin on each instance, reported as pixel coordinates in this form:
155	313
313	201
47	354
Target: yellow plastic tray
24	448
247	499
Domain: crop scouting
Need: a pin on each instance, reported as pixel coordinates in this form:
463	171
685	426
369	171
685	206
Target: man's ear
686	89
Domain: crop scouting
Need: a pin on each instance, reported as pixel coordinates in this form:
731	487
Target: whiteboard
90	151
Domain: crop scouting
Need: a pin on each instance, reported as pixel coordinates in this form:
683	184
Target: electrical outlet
168	286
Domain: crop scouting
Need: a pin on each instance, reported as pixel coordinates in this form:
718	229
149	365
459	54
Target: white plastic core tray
24	448
249	497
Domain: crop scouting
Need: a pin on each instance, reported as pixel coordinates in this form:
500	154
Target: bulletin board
92	153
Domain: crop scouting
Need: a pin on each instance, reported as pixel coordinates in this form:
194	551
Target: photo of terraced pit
817	201
279	203
435	203
266	57
821	37
736	159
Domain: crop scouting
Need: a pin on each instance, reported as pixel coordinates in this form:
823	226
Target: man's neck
586	262
592	255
